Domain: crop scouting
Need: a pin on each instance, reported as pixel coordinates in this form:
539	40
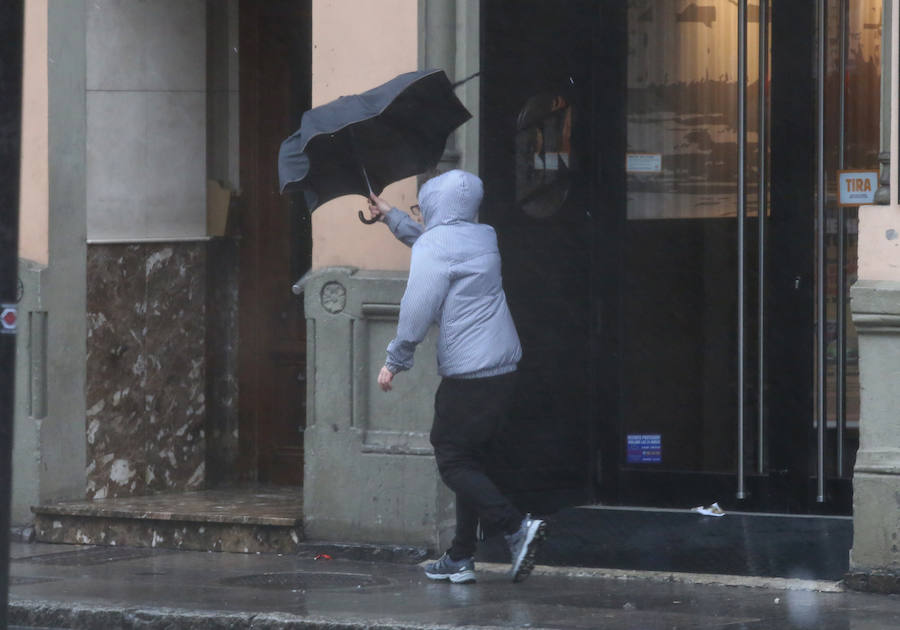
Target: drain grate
15	580
92	556
304	581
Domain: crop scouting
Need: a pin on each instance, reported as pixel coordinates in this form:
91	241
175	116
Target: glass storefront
667	185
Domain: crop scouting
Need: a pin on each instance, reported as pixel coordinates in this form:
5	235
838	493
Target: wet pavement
62	586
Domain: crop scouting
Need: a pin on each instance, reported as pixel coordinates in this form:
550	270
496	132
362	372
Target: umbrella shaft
366	175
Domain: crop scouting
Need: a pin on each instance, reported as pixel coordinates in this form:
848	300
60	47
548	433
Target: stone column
61	432
875	557
437	49
450	42
468	64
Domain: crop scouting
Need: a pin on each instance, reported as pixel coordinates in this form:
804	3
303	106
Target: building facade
663	178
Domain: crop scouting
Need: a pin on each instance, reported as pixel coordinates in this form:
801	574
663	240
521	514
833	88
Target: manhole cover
93	556
15	580
303	581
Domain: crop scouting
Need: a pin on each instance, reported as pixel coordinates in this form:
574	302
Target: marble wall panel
146	368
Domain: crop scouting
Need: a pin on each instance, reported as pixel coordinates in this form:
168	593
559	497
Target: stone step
235	520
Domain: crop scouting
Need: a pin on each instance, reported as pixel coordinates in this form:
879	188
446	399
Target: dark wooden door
275	249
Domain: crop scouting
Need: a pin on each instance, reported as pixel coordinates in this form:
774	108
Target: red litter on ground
323	556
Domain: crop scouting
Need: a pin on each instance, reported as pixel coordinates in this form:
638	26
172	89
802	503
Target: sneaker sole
466	577
536	536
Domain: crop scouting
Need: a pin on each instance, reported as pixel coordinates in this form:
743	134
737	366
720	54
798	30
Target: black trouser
468	414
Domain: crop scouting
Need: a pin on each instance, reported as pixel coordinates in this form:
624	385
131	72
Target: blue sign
644	449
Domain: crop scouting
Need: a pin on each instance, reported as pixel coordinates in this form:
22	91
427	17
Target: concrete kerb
706	579
83	617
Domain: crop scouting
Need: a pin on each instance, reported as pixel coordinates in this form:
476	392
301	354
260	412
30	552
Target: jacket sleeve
426	289
403	227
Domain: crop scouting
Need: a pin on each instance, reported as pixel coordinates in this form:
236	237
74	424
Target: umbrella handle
363	218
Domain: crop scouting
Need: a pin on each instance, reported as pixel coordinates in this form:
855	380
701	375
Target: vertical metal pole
820	257
741	212
11	37
840	360
761	225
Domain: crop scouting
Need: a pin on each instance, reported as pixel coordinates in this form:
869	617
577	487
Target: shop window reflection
682	106
543	154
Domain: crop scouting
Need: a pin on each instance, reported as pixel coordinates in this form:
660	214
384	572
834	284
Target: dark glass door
734	374
659	233
535	154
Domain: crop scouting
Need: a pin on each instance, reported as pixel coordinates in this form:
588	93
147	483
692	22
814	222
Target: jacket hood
451	197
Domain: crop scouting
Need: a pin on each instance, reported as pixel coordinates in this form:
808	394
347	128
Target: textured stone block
146	165
370	474
159	45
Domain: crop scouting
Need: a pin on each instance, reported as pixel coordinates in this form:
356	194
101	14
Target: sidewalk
62	586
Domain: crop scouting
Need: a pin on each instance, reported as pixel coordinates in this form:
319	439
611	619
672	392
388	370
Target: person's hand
378	207
385	376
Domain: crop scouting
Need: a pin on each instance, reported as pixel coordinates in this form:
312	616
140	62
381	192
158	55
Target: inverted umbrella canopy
375	138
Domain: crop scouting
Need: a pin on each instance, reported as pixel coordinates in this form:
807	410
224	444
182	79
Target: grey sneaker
457	571
523	545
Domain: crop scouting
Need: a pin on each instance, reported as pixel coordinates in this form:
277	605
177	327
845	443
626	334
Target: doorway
275	245
666	255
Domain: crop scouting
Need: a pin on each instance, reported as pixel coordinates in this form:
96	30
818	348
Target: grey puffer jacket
454	281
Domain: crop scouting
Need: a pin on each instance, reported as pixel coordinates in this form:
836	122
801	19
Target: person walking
455	281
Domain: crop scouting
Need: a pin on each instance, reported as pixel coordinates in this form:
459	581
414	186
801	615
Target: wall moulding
878	462
877	323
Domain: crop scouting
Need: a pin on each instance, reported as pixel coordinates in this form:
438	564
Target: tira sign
8	319
857	188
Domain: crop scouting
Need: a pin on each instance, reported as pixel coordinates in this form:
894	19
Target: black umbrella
361	143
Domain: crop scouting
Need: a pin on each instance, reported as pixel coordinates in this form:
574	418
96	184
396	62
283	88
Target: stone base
242	521
876	519
369	471
873	581
875	557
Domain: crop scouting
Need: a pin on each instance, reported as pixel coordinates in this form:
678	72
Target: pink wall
356	46
34	179
879	243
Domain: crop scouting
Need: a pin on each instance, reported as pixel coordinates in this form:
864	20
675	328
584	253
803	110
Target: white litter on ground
712	510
